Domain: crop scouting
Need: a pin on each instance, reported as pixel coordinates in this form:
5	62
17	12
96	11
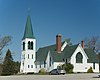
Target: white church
49	57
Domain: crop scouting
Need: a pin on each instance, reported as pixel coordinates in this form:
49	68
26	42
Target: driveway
52	77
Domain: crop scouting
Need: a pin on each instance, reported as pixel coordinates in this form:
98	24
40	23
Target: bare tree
4	41
93	43
68	40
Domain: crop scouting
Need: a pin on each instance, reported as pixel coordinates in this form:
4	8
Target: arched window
28	56
29	44
79	58
32	56
23	45
32	45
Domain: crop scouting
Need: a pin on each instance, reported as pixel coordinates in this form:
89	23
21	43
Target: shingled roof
91	55
57	57
28	29
66	53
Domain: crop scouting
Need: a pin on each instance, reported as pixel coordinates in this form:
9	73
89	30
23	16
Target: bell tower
28	47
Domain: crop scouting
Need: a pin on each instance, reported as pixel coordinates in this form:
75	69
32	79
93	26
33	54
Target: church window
29	44
79	58
23	63
32	56
28	66
63	59
94	65
28	56
40	64
50	62
23	45
31	66
44	64
66	61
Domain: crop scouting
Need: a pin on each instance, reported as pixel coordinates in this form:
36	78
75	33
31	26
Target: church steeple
28	29
28	47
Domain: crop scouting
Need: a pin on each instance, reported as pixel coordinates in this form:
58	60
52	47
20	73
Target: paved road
52	77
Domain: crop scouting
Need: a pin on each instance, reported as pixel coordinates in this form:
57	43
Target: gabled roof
57	57
42	53
28	29
66	53
91	55
69	50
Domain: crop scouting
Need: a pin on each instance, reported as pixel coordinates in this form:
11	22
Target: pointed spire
28	6
28	11
28	29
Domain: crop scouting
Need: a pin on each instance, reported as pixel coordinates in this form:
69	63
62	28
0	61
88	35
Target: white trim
83	51
64	45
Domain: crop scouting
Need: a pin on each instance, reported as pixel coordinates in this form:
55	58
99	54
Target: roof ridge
51	45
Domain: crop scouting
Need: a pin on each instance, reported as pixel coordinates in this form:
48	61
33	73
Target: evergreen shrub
90	70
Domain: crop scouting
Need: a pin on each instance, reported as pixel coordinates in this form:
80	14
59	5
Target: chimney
58	43
82	44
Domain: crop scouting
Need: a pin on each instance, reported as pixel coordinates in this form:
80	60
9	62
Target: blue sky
75	19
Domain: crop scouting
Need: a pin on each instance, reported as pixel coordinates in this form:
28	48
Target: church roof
92	55
28	29
57	57
65	54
